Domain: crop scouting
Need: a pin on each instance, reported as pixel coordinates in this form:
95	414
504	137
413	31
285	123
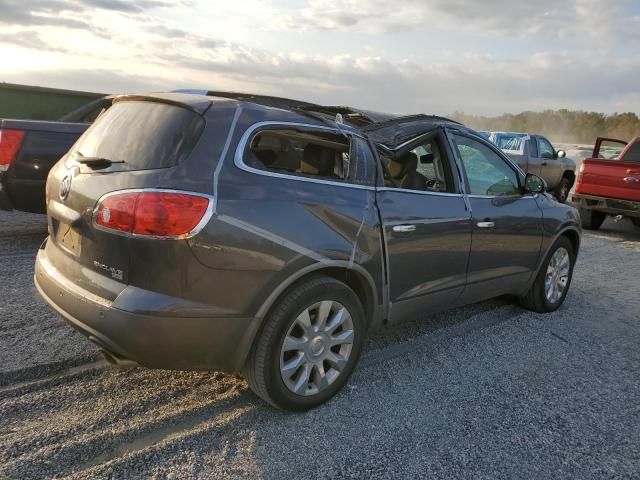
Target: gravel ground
486	391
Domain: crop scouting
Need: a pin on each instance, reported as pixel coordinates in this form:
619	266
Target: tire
591	219
562	190
536	299
268	354
635	221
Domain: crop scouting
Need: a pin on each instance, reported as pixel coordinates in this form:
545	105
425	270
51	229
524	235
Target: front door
427	229
551	169
507	224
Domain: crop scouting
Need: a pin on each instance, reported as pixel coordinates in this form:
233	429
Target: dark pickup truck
28	150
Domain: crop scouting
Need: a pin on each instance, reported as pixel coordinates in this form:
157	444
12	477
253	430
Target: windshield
141	135
511	142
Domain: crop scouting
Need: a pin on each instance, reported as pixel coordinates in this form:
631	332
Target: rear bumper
607	205
154	340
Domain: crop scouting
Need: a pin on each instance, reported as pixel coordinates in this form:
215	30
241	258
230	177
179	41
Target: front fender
558	220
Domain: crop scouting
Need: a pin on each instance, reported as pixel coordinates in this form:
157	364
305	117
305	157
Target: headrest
427	158
401	166
318	160
268	157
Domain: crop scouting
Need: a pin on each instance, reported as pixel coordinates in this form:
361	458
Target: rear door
507	224
427	229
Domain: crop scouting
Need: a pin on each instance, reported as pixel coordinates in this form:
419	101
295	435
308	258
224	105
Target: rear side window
142	135
533	148
316	154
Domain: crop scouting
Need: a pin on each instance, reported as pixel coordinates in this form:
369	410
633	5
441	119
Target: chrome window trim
193	232
419	192
515	197
239	155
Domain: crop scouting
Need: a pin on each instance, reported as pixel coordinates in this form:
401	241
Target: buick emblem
65	187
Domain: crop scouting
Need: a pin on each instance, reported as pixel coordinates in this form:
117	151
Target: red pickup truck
609	183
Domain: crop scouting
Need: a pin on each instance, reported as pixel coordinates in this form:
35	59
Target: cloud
154	39
371	16
470	82
31	38
67	13
91	80
124	5
542	18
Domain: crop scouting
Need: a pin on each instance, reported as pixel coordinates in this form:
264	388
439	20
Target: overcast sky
402	56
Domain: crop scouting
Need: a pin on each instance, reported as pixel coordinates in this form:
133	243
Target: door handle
544	164
404	228
631	180
486	224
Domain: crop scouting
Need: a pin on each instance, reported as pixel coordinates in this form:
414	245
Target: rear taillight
580	172
10	141
155	213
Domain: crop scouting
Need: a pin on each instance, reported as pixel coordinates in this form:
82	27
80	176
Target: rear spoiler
197	104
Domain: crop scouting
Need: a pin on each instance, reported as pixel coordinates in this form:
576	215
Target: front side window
311	153
487	173
546	150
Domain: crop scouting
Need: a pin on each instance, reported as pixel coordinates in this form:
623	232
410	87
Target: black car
268	236
29	148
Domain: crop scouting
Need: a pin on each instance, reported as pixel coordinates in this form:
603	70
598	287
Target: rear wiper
94	162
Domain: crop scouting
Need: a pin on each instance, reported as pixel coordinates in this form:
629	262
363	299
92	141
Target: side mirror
534	184
561	154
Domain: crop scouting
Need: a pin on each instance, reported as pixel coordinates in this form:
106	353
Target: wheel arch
571	175
573	235
354	276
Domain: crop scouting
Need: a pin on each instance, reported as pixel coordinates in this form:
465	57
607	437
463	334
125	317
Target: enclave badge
65	187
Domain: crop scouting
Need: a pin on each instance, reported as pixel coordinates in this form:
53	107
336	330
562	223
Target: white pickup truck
535	154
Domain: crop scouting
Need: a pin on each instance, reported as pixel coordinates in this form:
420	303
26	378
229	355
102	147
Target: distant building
40	103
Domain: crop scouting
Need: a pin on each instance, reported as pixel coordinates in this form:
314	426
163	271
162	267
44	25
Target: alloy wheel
557	276
316	348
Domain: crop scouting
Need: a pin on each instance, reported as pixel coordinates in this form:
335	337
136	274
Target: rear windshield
141	135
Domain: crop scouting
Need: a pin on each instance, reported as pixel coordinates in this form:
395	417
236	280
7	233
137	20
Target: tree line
563	126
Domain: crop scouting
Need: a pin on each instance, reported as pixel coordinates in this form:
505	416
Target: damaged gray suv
267	236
